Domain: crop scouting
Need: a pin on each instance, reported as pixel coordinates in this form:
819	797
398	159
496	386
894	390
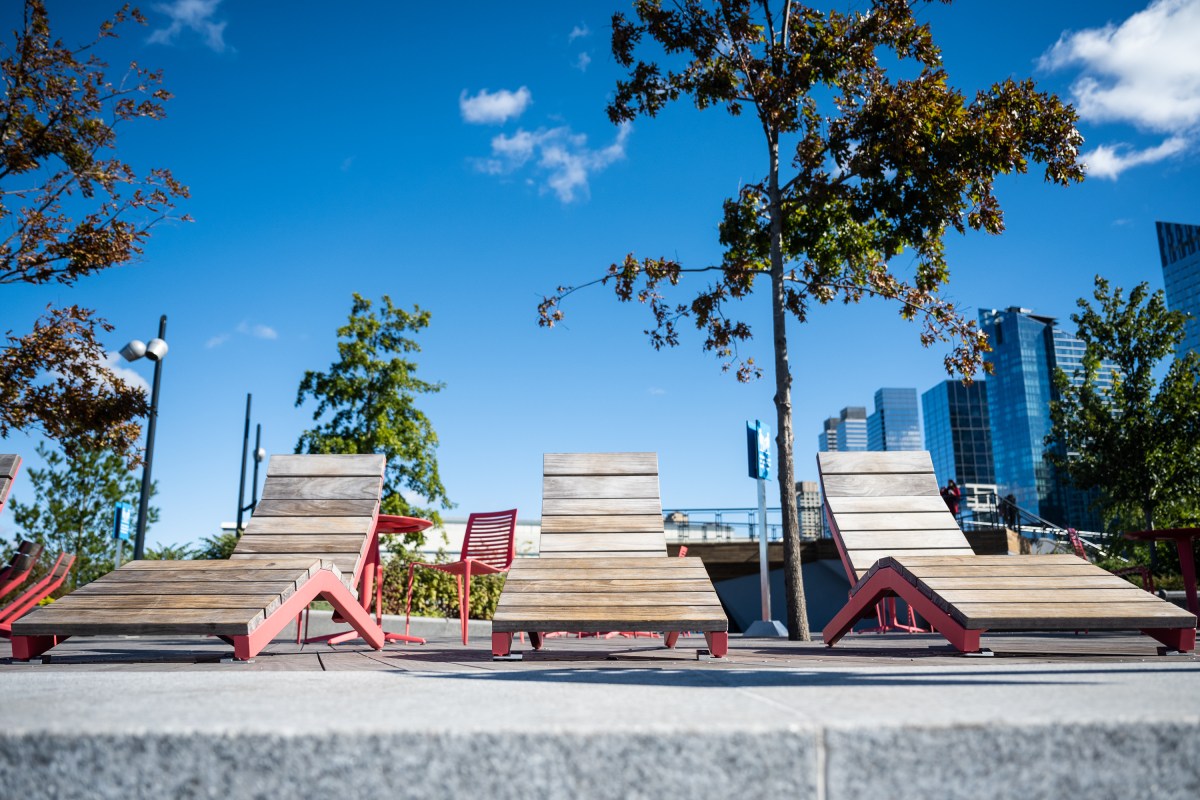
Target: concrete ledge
550	730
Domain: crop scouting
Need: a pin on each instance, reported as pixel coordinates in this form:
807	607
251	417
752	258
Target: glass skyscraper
845	432
895	424
958	434
1179	247
1026	350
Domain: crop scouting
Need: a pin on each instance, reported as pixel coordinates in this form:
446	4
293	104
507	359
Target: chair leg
718	643
408	599
464	605
501	644
535	640
670	638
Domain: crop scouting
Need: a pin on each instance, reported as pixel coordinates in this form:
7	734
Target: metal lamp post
259	456
155	350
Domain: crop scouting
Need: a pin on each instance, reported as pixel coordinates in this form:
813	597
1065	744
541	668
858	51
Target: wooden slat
570	554
835	463
178	588
646	618
604	585
861	558
918	521
603	541
551	571
1059	616
328	465
346	563
625	523
263	602
600	464
293	562
905	540
886	504
600	563
321	489
872	486
552	507
300	543
1130	594
230	578
603	487
9	464
1080	581
144	622
1015	571
286	525
601	600
315	508
1039	562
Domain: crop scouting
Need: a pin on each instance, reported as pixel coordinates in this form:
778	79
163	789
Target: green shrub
435	593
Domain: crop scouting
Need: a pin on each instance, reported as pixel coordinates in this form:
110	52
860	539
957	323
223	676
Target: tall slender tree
366	403
860	166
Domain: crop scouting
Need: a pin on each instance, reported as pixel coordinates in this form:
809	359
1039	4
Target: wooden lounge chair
308	538
603	564
9	464
19	566
896	536
35	593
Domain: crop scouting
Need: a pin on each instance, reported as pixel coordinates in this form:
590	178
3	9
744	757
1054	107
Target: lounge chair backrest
9	464
601	504
318	506
886	504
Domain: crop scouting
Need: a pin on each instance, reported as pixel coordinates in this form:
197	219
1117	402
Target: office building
852	429
895	424
1179	247
958	435
827	440
808	499
1026	350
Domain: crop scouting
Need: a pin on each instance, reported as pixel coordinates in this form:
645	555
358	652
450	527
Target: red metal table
371	580
1183	544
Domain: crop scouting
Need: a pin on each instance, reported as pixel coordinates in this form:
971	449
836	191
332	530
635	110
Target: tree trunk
797	609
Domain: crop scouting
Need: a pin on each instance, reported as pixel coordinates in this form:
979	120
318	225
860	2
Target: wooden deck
446	654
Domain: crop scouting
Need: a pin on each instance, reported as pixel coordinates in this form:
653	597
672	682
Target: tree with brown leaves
69	208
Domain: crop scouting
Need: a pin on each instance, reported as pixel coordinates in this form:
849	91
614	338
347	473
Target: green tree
367	403
72	508
861	166
169	552
215	547
70	208
1136	441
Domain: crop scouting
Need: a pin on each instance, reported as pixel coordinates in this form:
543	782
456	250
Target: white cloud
582	62
258	331
493	108
115	364
194	15
654	391
217	341
561	156
578	32
1145	72
1109	161
347	163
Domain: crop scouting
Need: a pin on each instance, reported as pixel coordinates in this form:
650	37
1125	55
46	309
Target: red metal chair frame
370	586
488	549
886	582
1136	569
35	593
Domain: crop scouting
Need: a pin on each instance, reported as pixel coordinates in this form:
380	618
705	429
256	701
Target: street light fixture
156	351
260	455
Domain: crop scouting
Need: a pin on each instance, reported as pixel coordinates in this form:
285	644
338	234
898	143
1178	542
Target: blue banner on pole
758	450
122	519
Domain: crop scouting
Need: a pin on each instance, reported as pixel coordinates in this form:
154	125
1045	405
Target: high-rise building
1179	247
894	425
957	433
808	499
1026	350
827	440
852	429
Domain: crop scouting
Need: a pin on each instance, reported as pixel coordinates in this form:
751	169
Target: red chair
488	549
1136	569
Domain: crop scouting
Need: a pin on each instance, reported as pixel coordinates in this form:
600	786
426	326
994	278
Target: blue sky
462	160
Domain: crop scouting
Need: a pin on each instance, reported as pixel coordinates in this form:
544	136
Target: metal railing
722	525
989	510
